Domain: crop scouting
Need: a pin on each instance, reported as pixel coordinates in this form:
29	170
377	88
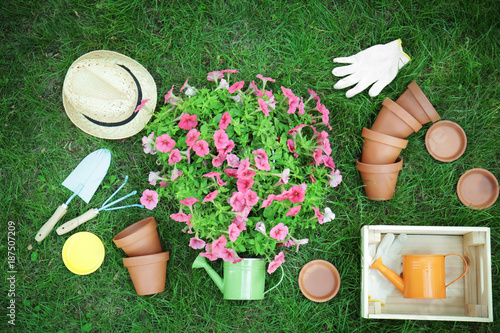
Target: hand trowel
83	181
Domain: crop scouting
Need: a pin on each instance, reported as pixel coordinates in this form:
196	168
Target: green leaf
87	327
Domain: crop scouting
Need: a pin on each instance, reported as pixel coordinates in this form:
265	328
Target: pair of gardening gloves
379	288
376	66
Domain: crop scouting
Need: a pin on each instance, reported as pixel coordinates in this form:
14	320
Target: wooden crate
469	299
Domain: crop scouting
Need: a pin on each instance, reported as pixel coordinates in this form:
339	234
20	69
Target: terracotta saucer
445	141
319	280
477	188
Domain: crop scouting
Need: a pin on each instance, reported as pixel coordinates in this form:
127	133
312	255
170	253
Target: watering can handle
466	267
279	282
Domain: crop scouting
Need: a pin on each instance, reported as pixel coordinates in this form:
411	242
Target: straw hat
101	91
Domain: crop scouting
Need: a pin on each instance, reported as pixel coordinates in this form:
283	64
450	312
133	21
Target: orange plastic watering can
423	275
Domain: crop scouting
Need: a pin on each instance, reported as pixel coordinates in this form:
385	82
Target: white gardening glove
378	285
378	64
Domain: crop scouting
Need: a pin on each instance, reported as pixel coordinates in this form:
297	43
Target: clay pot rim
384	138
460	131
379	168
402	114
424	102
139	229
147	259
332	269
491	177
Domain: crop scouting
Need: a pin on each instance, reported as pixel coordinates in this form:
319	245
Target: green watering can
244	280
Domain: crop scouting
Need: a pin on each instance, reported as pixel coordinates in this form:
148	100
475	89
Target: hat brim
124	128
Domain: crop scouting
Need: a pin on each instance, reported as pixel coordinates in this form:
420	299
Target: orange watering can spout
395	279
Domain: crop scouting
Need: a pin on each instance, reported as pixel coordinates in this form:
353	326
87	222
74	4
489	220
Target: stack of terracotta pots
146	262
380	162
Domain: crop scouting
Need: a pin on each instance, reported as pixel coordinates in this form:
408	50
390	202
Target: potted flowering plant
248	167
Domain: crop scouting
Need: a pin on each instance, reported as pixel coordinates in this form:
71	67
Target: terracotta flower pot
379	179
141	238
148	273
380	148
414	101
395	121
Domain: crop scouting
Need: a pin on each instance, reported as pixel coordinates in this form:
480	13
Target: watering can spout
201	262
395	279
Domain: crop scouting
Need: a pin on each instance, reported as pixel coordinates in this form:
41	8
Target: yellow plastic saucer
83	253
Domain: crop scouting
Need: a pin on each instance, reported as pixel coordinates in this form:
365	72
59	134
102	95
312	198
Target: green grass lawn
454	47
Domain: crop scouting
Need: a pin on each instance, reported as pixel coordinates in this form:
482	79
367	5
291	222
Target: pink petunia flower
234	232
244	170
168	95
196	243
228	148
201	148
318	156
219	159
240	222
335	178
218	244
148	142
287	243
302	106
318	215
293	211
267	202
192	136
279	232
233	173
175	174
225	121
237	201
251	198
261	160
244	184
164	143
301	242
189	201
232	160
313	94
291	147
154	177
175	156
210	196
180	217
185	85
188	121
220	139
209	256
228	254
261	227
263	107
149	199
293	132
287	92
236	86
215	75
293	103
253	88
259	76
284	177
222	85
296	194
328	161
230	71
141	105
278	260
